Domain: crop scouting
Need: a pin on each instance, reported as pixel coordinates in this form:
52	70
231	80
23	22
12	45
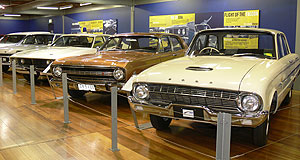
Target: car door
171	47
287	61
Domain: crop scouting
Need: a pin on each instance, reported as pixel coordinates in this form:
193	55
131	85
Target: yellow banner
95	26
171	20
241	18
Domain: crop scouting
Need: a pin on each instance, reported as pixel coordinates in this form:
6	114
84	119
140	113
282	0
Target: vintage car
120	57
65	46
247	73
33	40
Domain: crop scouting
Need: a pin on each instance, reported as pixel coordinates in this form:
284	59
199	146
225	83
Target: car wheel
5	68
76	93
27	77
160	123
260	133
287	98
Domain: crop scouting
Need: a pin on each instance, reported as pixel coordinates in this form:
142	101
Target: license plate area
188	112
86	87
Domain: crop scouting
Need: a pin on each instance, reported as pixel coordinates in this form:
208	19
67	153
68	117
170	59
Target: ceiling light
49	8
11	15
2	7
65	7
84	4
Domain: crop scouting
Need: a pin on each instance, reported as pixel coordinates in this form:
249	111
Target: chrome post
223	136
14	76
114	119
65	97
32	84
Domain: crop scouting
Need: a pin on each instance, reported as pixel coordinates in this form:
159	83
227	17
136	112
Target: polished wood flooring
38	132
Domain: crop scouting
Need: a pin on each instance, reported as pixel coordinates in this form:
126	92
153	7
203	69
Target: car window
74	41
166	46
11	38
99	41
38	39
137	43
282	51
176	43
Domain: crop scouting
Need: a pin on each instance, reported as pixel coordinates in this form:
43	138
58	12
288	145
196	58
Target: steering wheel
211	49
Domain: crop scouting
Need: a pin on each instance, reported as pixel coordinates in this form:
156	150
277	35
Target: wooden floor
37	131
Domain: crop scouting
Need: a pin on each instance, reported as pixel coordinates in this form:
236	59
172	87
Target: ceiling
32	8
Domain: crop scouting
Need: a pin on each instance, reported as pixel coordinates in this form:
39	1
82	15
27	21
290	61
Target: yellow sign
171	20
241	18
240	43
95	26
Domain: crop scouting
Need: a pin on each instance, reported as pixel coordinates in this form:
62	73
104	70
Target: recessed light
65	7
84	4
49	8
11	15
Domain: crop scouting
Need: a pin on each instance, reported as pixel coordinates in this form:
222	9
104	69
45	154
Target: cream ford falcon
65	46
248	73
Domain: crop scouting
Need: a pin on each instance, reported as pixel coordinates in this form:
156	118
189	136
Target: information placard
248	18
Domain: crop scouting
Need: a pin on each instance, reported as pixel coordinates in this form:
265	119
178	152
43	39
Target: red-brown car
118	59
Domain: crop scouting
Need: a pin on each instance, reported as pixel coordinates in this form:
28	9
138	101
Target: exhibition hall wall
275	14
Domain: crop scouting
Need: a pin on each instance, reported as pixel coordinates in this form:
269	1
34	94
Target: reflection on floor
37	131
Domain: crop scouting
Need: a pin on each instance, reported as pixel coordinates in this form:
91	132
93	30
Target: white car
66	46
247	73
32	40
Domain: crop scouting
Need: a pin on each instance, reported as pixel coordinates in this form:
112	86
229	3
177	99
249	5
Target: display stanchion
223	136
66	98
32	84
114	119
14	76
1	74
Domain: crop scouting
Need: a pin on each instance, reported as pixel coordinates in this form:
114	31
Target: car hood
105	58
6	44
19	48
203	71
54	52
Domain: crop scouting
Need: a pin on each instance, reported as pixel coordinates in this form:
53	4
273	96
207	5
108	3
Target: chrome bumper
242	120
98	87
25	70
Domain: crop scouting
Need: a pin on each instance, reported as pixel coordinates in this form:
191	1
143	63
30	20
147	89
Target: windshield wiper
252	54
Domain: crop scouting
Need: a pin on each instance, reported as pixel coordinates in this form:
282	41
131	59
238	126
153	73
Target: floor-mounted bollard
223	136
66	98
1	74
114	119
32	84
14	76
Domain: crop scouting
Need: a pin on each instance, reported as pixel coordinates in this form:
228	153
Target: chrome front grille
90	75
215	100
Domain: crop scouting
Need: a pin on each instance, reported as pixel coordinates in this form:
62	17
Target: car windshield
234	43
136	43
74	41
11	38
38	39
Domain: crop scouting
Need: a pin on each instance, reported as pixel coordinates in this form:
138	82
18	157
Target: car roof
28	33
272	31
143	34
85	34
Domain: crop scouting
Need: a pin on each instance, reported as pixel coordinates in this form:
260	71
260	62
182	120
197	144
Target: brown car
116	61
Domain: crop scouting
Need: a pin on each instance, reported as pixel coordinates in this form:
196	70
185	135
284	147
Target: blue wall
121	14
8	26
41	24
274	14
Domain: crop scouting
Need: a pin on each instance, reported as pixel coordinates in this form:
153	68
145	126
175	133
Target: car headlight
250	103
22	61
57	71
119	74
141	92
48	62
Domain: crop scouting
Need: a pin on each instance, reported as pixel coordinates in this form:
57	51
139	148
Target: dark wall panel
274	14
10	26
121	14
41	24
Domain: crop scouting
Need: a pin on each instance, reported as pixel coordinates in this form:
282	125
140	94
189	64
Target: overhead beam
90	8
106	2
139	2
